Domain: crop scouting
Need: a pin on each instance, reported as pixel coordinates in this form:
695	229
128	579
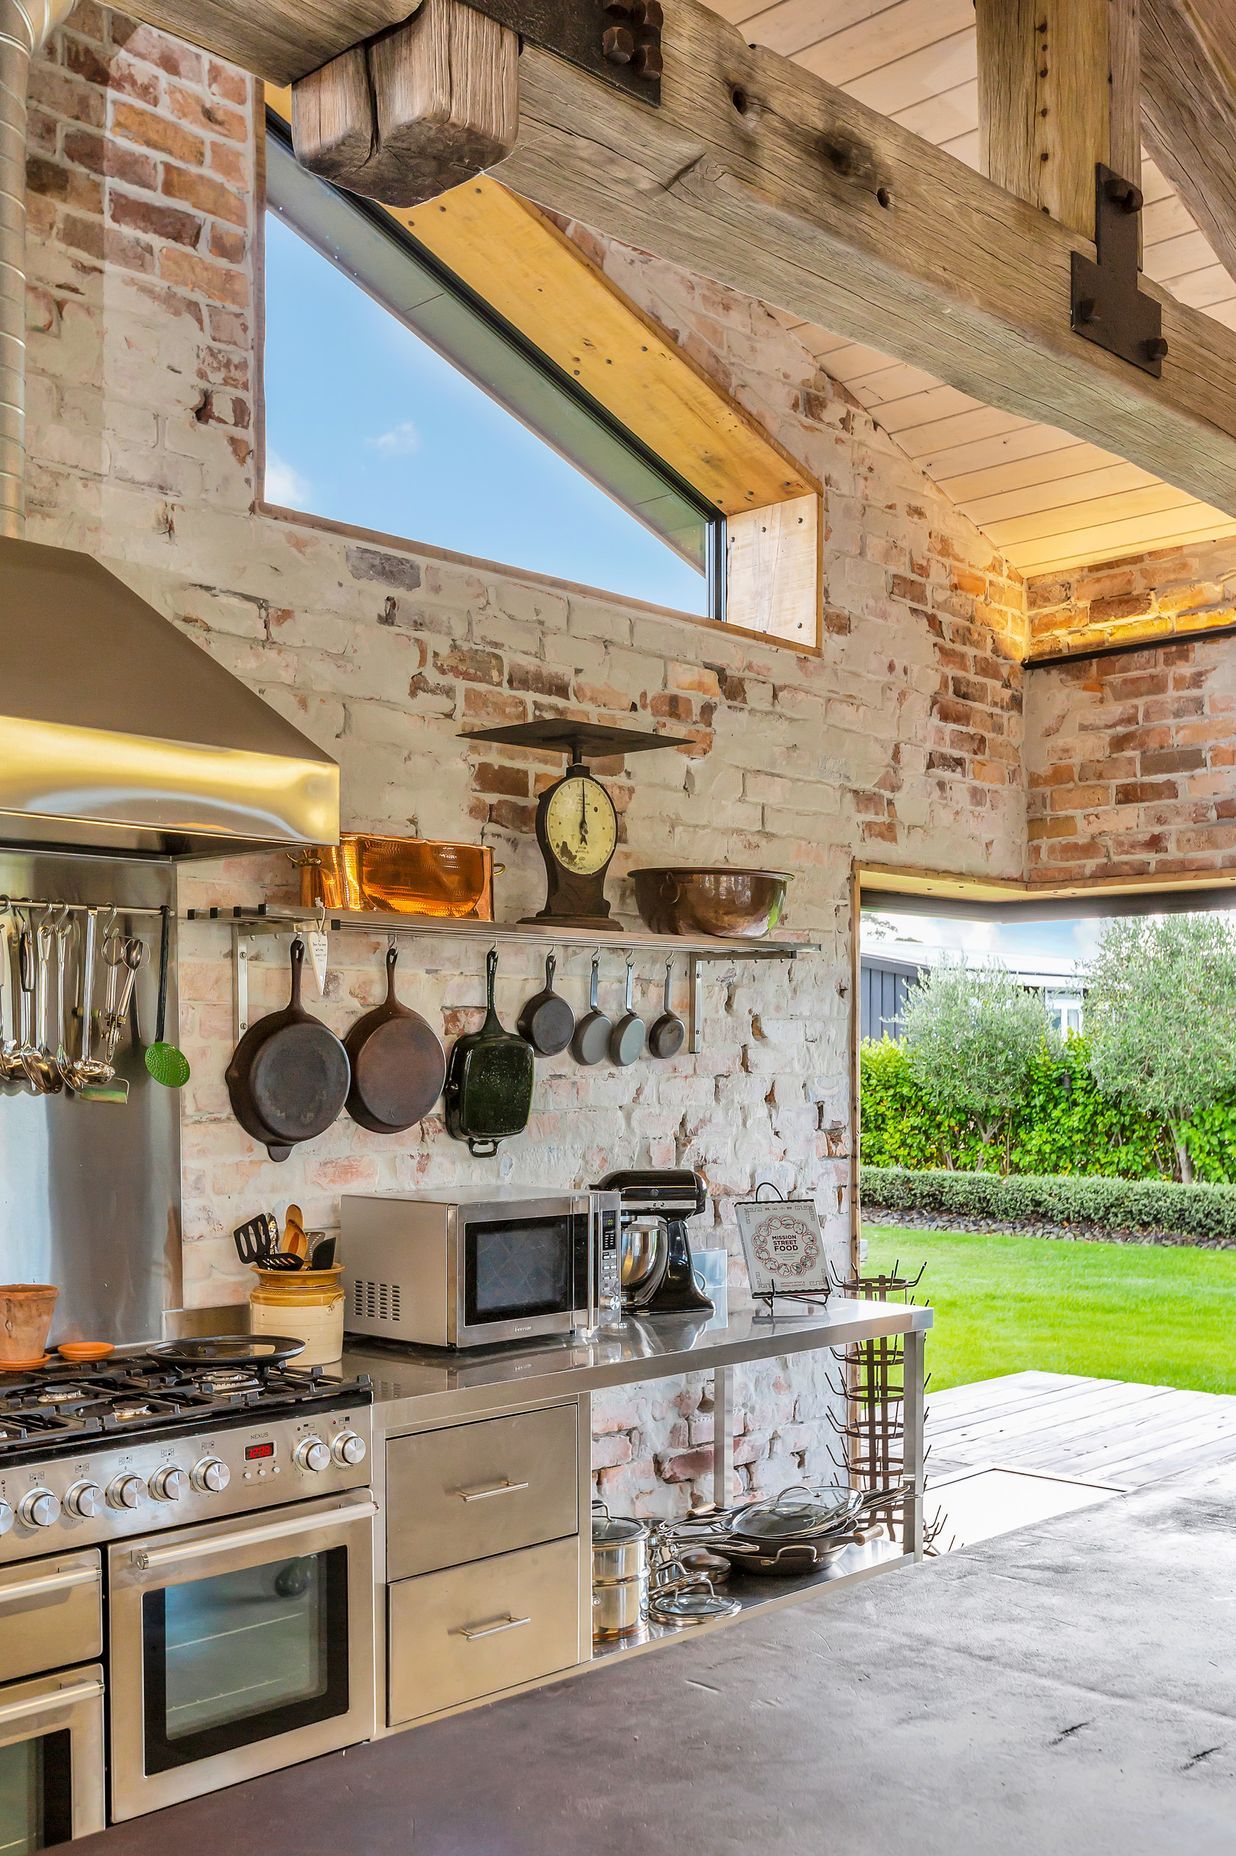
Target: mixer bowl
643	1252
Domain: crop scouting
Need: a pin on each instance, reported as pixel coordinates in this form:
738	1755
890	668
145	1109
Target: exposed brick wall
1131	763
1173	590
902	741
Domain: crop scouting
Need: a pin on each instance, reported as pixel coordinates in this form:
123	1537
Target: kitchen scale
576	820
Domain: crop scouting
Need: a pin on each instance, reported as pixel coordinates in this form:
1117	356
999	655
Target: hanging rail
695	953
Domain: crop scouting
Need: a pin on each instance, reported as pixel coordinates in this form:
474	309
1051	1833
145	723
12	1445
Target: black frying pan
547	1021
289	1075
489	1080
398	1064
591	1040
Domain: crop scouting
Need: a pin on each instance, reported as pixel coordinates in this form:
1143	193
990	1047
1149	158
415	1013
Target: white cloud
285	485
399	442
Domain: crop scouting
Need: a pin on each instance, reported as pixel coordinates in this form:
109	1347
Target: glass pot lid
696	1603
615	1530
797	1513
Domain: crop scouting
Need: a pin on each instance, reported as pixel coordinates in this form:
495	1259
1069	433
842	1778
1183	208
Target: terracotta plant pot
26	1310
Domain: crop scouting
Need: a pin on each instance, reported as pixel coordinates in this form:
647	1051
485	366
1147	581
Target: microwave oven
477	1268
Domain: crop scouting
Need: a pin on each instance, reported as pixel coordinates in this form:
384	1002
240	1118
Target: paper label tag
319	956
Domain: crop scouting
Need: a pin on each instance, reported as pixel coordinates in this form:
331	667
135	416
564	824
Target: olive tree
970	1035
1161	1017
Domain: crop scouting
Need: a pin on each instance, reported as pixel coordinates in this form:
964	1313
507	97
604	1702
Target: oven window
243	1656
517	1268
36	1805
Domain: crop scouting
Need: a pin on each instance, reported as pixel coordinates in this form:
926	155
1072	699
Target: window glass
396	401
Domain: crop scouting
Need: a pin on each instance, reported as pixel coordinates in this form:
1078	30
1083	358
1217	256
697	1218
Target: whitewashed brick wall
901	742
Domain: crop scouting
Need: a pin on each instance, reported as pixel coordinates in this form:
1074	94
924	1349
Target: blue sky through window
366	424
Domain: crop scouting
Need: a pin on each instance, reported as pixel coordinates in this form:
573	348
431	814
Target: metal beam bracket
1107	306
617	40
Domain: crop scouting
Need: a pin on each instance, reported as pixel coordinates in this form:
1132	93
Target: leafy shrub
970	1035
1062	1123
1120	1204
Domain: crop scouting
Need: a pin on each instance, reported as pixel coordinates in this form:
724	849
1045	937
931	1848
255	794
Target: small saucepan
668	1034
626	1040
591	1039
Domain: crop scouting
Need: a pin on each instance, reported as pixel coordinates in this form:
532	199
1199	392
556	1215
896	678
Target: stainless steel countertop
411	1384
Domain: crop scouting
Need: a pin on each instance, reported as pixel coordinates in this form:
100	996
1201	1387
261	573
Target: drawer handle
497	1488
473	1631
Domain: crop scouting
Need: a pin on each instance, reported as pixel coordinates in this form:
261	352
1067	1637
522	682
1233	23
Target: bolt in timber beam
1058	94
415	111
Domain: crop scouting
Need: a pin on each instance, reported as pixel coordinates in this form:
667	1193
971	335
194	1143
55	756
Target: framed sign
784	1247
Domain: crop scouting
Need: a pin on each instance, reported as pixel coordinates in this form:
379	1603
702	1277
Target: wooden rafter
761	175
1189	109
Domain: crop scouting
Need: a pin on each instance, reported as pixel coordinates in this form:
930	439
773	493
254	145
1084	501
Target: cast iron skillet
289	1075
398	1064
591	1040
669	1033
489	1077
547	1021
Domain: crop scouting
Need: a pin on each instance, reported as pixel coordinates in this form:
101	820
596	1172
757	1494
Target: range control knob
348	1448
40	1508
126	1491
210	1475
85	1499
313	1454
169	1483
6	1517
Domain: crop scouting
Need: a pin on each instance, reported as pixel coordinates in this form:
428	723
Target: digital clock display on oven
256	1453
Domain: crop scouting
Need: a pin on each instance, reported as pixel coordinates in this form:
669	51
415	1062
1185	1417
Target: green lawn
1153	1313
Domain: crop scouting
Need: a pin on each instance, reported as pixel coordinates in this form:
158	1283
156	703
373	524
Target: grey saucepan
626	1040
668	1034
591	1040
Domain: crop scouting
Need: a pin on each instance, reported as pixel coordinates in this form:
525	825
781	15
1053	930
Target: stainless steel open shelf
853	1565
696	953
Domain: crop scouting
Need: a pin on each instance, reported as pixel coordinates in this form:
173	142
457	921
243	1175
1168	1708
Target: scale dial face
581	825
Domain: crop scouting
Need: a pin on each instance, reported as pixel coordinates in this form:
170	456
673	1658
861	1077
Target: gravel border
1026	1227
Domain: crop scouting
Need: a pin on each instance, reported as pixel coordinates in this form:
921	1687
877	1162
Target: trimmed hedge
1063	1124
1120	1204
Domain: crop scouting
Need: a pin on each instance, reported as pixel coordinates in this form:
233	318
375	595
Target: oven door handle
49	1582
55	1698
148	1558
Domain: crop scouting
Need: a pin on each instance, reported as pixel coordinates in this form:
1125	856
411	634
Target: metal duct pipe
25	26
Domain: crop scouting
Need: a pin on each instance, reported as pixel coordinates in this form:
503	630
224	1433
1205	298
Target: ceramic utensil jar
303	1304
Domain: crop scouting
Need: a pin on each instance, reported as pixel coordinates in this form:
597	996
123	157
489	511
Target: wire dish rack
871	1439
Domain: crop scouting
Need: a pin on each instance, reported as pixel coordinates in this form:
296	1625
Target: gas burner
70	1394
127	1411
225	1381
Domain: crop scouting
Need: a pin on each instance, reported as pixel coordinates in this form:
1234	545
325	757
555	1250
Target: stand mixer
658	1276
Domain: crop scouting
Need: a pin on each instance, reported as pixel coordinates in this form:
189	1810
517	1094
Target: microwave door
238	1648
519	1275
51	1760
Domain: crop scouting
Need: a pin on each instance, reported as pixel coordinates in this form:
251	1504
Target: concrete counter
1069	1689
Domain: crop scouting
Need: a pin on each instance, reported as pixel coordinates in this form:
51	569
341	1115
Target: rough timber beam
1189	109
757	173
1058	85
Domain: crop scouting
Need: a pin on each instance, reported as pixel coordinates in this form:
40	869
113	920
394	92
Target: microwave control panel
609	1267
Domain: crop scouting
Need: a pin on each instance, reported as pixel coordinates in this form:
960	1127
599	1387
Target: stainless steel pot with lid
800	1512
619	1572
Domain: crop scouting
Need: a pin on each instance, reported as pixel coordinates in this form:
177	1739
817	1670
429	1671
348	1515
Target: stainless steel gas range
221	1508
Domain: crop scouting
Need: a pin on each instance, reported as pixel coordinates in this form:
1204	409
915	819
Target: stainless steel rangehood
117	733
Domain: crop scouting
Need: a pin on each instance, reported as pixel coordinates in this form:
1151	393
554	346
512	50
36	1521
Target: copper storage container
400	876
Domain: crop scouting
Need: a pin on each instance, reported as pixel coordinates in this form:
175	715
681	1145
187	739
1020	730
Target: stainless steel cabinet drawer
51	1612
459	1635
475	1490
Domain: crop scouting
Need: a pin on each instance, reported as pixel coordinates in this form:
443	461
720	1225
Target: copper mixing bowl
736	904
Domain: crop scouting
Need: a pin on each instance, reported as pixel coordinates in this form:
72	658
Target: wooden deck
1100	1431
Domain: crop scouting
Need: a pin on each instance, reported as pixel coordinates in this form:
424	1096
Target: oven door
51	1760
523	1269
238	1648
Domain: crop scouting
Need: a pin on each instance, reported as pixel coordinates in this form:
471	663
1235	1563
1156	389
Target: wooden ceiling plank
1049	524
951	114
1063	492
1070	460
1113	540
788	27
926	73
1021	439
903	416
1177	257
893	32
